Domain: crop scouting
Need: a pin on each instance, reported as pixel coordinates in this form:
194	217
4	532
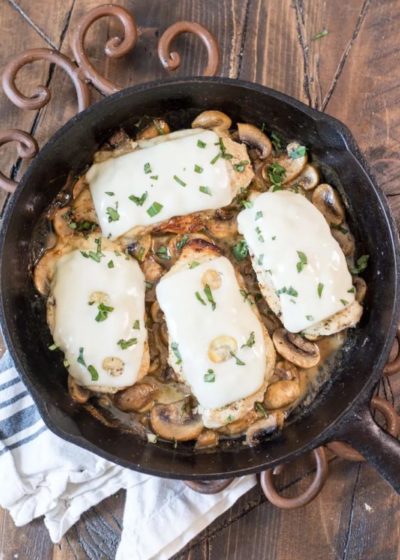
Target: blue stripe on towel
19	421
23	441
13	399
10	383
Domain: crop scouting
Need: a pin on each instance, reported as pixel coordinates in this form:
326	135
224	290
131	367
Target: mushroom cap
329	203
175	421
308	178
345	240
214	120
282	393
78	393
293	166
361	288
296	349
135	398
255	138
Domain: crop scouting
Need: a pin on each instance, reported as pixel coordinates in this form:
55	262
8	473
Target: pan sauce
142	405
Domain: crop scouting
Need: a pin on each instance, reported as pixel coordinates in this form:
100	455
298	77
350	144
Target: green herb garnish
93	373
277	141
110	193
360	265
138	200
209	296
179	181
209	377
344	302
154	177
148	285
198	169
175	350
104	310
238	360
80	359
276	174
250	341
193	264
124	344
247	203
302	261
340	228
260	259
205	190
297	152
201	144
246	296
110	264
241	166
147	168
259	234
320	289
136	325
290	291
351	291
201	300
182	242
154	209
309	318
66	363
53	347
260	408
113	214
240	250
163	253
259	215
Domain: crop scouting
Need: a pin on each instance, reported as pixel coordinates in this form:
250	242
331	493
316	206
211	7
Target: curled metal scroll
318	481
208	486
41	95
27	148
171	60
345	451
115	47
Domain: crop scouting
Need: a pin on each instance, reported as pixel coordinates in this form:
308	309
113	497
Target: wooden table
352	73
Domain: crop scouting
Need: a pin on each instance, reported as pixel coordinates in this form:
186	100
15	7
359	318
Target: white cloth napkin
42	475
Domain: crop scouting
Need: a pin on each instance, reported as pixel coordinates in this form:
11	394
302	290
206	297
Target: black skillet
340	412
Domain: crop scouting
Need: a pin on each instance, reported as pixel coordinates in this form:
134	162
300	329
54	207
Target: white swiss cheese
193	325
79	280
172	175
295	254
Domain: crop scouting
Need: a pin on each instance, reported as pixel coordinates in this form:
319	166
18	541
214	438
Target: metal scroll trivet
82	74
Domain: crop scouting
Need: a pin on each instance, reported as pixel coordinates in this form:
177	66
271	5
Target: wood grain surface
352	73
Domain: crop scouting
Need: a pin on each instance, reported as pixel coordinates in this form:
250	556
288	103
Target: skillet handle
377	447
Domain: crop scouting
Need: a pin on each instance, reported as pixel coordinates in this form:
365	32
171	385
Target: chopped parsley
205	190
259	234
259	407
273	238
201	300
110	193
209	377
290	291
276	174
277	141
93	373
240	250
96	256
138	200
320	289
209	296
309	318
193	264
247	203
222	153
80	359
215	159
201	144
148	284
113	214
66	363
154	209
260	259
154	177
163	253
147	168
182	242
302	261
110	264
124	344
175	350
246	296
53	347
344	302
319	35
241	166
298	152
198	169
238	360
340	228
250	341
351	291
259	215
136	325
103	311
360	265
179	181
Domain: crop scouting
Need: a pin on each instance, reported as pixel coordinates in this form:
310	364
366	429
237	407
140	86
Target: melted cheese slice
283	229
166	175
79	280
193	326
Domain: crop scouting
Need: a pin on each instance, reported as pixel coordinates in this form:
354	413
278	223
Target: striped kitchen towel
42	475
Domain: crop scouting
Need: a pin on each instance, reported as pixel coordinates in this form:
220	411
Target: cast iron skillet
340	411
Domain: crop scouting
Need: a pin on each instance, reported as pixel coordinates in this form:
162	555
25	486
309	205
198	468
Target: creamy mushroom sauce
291	386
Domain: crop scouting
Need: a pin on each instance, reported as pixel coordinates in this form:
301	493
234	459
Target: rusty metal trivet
82	73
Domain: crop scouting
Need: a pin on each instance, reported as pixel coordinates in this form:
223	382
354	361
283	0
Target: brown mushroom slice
345	240
152	269
292	166
255	138
78	393
296	349
156	128
281	394
237	427
344	319
258	431
207	439
329	203
175	421
284	370
136	398
215	120
360	287
222	228
308	178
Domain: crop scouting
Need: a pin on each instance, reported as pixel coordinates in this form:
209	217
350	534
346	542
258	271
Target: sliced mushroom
113	365
176	421
293	166
308	178
61	220
296	349
282	393
136	398
345	240
361	288
329	203
221	349
257	432
78	393
212	278
207	439
156	313
152	269
215	120
139	248
156	128
255	138
284	370
237	427
220	228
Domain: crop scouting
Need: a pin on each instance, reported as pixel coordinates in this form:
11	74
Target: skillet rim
348	144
